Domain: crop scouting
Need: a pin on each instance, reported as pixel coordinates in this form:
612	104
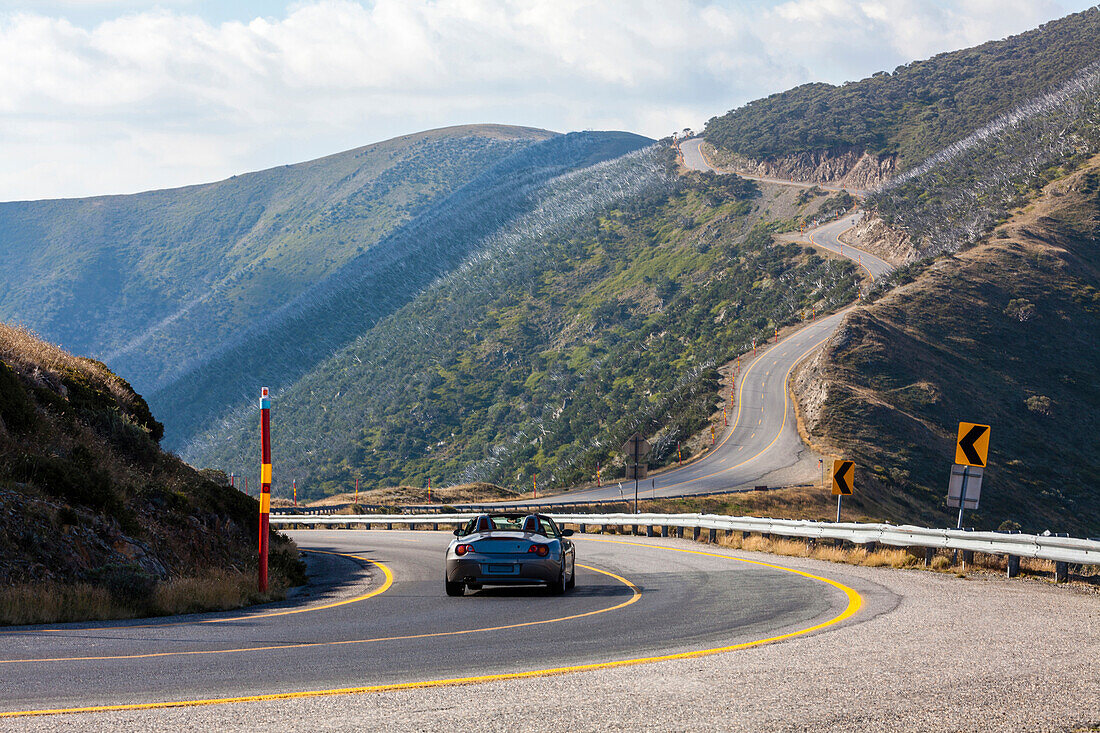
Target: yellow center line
635	595
308	609
855	602
766	448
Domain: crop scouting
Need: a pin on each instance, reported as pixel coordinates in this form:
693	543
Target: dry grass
45	363
48	603
398	495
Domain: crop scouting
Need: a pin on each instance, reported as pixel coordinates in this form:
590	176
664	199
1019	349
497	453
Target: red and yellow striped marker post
265	482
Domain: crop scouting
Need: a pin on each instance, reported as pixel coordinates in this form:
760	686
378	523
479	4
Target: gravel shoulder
929	652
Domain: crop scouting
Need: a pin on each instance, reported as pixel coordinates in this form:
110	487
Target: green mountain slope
506	198
918	109
540	357
152	280
1003	333
95	520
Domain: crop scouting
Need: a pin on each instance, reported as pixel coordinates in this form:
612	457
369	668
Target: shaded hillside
542	354
915	111
149	281
95	520
1004	334
292	339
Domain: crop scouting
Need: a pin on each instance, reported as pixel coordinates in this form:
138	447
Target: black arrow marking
841	482
967	444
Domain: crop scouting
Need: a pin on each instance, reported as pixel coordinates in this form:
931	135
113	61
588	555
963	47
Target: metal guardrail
1041	547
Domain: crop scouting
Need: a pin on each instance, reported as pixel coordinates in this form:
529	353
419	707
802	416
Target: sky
118	96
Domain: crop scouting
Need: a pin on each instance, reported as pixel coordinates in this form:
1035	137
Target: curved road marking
308	609
825	246
635	595
766	448
855	602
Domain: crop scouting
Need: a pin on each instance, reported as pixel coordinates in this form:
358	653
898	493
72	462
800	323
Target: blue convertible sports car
510	549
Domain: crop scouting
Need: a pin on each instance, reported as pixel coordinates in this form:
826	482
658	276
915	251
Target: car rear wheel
558	586
455	589
572	582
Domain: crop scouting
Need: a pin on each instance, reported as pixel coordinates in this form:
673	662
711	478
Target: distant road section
761	440
692	152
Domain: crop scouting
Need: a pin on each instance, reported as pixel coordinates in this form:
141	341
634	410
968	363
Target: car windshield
509	523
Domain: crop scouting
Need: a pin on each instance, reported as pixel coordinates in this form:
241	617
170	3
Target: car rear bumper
480	570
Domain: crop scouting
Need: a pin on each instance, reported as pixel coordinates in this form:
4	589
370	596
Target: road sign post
844	473
635	449
971	456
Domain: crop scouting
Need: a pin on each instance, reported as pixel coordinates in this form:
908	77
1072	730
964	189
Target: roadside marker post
535	487
265	482
597	474
294	485
844	473
679	455
356	502
429	491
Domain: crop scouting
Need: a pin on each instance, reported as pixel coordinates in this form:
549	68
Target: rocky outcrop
850	167
871	234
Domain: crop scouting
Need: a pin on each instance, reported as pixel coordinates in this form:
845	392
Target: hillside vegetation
919	108
150	281
539	357
532	191
95	520
1003	333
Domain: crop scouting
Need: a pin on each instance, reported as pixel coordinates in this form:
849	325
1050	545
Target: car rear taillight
540	550
463	549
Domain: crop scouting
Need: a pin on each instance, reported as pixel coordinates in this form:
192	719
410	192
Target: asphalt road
635	598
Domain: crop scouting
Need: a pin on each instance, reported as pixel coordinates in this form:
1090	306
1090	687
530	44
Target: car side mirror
458	532
567	533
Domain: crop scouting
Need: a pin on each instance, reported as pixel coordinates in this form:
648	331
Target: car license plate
501	569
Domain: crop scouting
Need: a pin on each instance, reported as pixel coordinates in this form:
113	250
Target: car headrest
484	524
531	524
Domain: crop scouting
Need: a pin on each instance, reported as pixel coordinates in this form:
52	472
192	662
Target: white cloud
164	97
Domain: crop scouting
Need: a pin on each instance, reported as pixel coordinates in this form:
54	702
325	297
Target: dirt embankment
849	168
872	235
1001	334
398	495
96	520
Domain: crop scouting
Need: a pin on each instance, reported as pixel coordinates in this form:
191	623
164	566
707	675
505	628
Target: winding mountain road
395	627
761	445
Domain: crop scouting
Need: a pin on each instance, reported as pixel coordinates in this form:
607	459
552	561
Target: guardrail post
636	532
582	528
389	525
1013	565
929	553
664	530
695	534
1061	572
680	532
729	533
745	535
435	526
968	557
713	538
650	531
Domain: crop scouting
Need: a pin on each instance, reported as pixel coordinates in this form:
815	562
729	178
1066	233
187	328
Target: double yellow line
855	602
